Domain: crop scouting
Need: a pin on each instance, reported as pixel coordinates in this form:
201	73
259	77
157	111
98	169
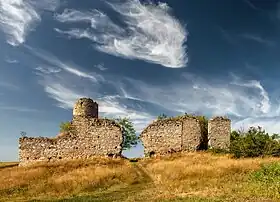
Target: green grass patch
266	180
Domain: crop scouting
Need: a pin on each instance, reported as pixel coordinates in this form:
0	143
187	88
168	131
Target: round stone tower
86	107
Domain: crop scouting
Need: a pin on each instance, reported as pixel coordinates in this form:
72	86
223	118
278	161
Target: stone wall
85	107
95	137
192	137
185	133
172	135
88	137
162	136
219	129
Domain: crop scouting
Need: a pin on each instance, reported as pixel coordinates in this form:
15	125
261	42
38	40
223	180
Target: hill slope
181	177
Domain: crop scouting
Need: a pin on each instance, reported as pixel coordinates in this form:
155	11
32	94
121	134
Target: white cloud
57	66
270	124
63	95
17	108
108	105
152	34
18	17
8	85
11	61
65	88
47	69
101	67
142	101
193	94
258	39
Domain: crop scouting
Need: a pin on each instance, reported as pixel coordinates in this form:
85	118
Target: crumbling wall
192	137
162	136
219	129
104	135
90	138
172	135
85	107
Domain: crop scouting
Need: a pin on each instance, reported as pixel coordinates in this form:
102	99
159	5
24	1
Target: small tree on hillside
129	133
162	116
23	133
65	127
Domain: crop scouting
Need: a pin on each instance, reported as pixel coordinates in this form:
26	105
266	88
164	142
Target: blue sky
137	59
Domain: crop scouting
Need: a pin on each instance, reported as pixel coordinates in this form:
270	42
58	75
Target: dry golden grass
7	164
192	176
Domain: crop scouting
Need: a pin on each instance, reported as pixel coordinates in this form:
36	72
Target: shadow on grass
8	165
119	197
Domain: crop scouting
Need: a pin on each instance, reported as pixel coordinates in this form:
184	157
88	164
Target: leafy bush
254	143
65	127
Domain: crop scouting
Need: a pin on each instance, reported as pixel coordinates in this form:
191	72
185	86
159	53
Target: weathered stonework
88	137
219	129
85	107
172	135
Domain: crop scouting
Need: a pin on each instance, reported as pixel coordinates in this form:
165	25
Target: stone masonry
219	129
172	135
88	137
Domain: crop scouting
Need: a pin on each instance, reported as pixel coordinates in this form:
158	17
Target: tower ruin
85	107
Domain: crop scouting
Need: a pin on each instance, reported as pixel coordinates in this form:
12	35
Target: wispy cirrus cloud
55	65
65	87
8	85
17	109
235	38
19	17
109	106
101	67
11	61
258	39
141	101
251	5
47	69
151	34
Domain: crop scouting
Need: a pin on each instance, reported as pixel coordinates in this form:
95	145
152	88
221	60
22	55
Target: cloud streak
19	17
55	66
251	5
258	39
142	101
65	87
150	33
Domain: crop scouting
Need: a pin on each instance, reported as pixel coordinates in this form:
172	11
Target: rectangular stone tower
219	129
191	134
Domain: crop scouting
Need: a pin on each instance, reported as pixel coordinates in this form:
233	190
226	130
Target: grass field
188	177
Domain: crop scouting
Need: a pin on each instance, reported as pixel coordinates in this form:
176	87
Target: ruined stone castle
185	134
90	136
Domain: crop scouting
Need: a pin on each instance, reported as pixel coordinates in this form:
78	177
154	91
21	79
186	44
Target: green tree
65	127
162	116
254	143
129	133
23	133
